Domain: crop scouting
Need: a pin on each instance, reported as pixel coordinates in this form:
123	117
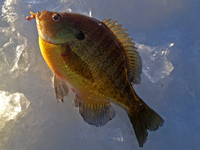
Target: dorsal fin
133	60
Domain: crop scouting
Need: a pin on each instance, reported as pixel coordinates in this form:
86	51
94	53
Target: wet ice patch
14	43
11	106
155	64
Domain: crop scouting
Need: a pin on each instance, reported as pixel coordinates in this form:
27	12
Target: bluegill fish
99	62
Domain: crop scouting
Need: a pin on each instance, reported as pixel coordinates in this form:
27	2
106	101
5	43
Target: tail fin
142	118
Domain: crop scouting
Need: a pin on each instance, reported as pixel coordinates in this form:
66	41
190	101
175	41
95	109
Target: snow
167	34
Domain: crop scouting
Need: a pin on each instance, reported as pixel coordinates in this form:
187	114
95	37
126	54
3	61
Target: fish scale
99	62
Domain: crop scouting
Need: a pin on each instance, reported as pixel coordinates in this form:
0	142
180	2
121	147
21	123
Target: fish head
55	27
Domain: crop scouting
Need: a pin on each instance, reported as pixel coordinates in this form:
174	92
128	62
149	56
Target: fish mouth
39	17
33	16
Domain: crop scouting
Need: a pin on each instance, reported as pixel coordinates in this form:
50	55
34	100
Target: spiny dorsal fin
134	64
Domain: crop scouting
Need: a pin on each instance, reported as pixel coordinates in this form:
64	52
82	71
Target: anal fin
61	88
95	113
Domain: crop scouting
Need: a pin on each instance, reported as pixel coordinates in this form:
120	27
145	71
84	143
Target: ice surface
155	63
11	106
167	34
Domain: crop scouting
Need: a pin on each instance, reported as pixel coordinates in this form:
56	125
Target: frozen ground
167	34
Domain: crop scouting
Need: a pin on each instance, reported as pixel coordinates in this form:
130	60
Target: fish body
99	62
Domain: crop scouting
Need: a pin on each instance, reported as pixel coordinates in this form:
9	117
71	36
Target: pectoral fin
76	64
61	88
95	113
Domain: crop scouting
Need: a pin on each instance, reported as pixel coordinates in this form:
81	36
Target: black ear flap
80	35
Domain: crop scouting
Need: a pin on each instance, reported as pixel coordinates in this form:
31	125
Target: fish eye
57	17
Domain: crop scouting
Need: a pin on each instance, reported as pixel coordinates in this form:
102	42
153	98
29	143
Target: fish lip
39	17
38	14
